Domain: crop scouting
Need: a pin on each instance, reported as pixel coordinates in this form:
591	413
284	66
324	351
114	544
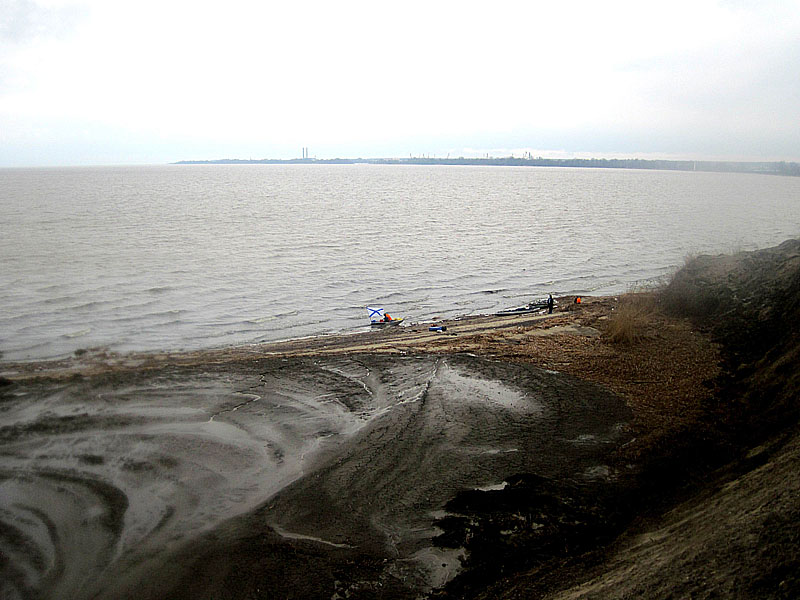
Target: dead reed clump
627	323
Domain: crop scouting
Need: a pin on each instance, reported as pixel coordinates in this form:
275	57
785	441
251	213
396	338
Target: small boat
386	323
379	318
532	307
520	310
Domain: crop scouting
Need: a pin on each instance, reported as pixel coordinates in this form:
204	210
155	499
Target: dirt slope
731	532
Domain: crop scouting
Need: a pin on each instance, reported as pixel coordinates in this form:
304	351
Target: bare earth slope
735	532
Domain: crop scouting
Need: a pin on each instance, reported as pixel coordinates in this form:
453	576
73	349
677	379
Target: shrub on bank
628	321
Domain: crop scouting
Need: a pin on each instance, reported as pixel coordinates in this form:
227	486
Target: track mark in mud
255	398
359	380
309	538
247	392
420	396
423	395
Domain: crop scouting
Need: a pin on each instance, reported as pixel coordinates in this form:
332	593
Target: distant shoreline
769	168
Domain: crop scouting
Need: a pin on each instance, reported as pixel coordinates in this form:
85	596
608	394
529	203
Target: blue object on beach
375	314
437	328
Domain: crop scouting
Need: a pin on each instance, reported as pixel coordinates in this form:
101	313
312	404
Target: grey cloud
24	20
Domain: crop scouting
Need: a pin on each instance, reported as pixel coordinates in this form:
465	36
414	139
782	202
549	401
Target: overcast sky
155	81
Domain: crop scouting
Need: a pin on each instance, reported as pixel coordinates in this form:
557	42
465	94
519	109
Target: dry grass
628	322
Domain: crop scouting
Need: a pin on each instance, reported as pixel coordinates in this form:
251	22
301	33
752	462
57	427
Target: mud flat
304	476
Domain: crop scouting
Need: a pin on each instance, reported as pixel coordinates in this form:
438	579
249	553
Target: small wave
138	307
268	318
90	305
163	317
22	352
165	313
260	320
77	334
60	300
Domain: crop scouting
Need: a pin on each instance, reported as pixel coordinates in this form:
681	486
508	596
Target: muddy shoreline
402	339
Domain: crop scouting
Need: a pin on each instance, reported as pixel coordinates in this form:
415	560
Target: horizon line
760	166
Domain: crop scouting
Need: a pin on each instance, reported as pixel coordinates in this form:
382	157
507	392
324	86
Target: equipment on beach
379	318
532	307
520	310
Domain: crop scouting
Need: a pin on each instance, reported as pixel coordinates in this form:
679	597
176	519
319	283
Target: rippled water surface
170	257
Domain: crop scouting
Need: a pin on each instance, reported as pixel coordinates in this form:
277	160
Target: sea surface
200	256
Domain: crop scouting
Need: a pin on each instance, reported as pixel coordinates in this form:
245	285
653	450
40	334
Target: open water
188	257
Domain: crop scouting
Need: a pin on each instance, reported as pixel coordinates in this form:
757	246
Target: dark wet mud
279	478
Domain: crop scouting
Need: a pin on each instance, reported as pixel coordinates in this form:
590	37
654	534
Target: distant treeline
774	168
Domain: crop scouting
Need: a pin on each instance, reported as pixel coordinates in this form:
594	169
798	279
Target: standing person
550	303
